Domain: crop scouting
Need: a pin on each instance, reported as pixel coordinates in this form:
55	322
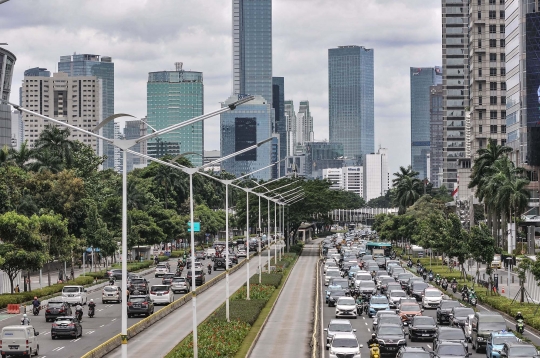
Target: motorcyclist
472	294
25	321
444	282
209	268
519	316
437	277
36	304
373	340
79	311
454	281
92	305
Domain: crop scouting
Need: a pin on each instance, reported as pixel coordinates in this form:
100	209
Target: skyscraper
7	62
175	97
376	176
351	99
455	19
278	102
290	118
305	124
252	74
436	135
103	68
421	81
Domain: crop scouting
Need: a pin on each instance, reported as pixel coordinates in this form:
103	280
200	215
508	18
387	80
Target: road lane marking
368	330
101	325
58	349
429	346
113	320
90	332
100	310
46	333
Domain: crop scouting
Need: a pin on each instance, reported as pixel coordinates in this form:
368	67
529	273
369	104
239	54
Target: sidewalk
510	290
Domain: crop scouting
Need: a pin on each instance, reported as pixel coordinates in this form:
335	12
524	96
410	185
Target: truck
496	263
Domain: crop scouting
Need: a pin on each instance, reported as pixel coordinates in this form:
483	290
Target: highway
106	322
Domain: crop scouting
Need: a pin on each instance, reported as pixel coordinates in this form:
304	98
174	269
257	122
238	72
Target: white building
376	176
346	178
117	152
335	175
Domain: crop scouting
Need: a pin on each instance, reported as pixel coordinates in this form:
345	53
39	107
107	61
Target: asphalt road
363	325
105	324
288	329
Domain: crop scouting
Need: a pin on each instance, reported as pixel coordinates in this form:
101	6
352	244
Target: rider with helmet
25	321
519	316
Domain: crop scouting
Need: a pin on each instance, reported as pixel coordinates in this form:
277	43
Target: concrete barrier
140	326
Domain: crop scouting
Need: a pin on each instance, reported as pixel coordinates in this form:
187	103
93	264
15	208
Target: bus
379	249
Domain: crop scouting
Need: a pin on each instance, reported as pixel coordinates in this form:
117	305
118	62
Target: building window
503	57
492	43
480	58
479	18
503	129
501	14
480	100
492	14
493	71
480	86
493	100
503	86
480	115
493	86
492	57
501	29
503	142
480	72
492	114
503	42
479	43
503	99
479	2
480	129
503	71
492	29
503	114
493	129
492	2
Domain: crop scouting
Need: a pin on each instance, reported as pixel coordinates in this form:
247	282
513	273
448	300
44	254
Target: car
519	350
395	296
138	284
413	352
334	295
346	307
410	281
56	309
74	295
19	340
483	323
459	315
111	293
408	310
167	278
496	342
417	289
68	326
344	344
367	288
451	350
180	284
331	288
342	282
200	255
403	278
242	253
161	294
200	277
384	282
338	326
450	334
431	298
331	274
444	310
328	264
161	269
383	317
392	286
116	273
233	257
391	338
139	305
219	263
377	303
422	327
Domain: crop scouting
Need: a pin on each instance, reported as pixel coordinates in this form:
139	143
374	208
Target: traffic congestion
375	306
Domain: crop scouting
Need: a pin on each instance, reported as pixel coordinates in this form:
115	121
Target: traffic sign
196	226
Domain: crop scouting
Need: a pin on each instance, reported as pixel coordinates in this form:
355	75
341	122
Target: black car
459	315
417	289
391	338
56	309
410	282
444	310
167	278
66	327
233	257
413	352
138	284
334	295
450	334
451	350
367	288
422	327
200	277
219	263
140	305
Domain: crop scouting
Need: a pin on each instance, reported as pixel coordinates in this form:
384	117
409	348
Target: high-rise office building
252	74
346	178
436	135
305	123
351	99
133	130
322	155
455	19
175	97
7	62
376	175
72	99
280	127
101	67
37	71
421	81
290	118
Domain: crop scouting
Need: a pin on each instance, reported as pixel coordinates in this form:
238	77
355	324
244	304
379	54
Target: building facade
133	130
335	176
305	125
101	67
351	99
290	118
280	122
175	97
436	135
322	155
72	99
376	175
7	63
455	19
346	178
422	78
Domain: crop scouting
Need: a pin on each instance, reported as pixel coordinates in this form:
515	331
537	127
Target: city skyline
204	42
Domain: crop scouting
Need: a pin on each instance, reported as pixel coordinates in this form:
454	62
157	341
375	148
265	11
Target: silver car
338	326
180	284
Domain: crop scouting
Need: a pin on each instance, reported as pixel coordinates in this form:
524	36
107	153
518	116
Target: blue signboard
197	227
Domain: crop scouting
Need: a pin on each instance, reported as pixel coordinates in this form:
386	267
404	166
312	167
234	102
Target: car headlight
401	341
480	339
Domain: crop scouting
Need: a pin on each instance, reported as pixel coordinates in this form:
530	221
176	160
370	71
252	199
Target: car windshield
137	299
403	276
504	339
346	301
387	318
159	288
338	293
55	304
70	289
344	343
340	327
169	275
379	300
110	289
410	307
161	266
449	304
522	352
452	350
390	331
492	324
463	312
340	283
333	273
424	320
451	334
430	293
64	320
419	286
179	279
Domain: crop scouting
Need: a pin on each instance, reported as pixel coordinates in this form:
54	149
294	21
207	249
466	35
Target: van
210	253
19	340
483	323
74	295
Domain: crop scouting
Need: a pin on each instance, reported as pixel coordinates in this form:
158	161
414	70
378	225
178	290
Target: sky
145	36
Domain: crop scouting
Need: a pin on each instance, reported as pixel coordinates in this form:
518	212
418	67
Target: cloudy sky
150	35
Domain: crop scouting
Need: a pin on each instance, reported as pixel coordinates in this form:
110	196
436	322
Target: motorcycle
79	315
91	311
465	296
209	270
374	351
35	310
438	281
520	326
445	285
424	275
409	264
454	287
430	277
473	300
359	308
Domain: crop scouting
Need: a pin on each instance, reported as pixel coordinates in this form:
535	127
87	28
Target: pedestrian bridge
360	215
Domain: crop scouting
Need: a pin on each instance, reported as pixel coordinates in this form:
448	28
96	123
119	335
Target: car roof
517	344
389	325
137	296
450	343
64	318
345	335
339	321
502	334
443	328
412	349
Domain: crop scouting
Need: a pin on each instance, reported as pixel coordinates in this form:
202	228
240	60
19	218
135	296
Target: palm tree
4	155
402	173
135	198
166	177
57	141
407	192
23	155
46	160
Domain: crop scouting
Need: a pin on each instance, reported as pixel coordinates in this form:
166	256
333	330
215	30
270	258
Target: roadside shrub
256	292
241	310
297	248
272	279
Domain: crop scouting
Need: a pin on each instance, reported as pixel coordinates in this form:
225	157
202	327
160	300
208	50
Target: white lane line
113	320
363	318
368	330
76	340
90	332
101	325
429	346
46	333
366	323
57	349
100	310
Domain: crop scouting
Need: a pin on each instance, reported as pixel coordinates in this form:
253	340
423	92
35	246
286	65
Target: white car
431	298
161	294
161	269
346	307
331	274
74	295
395	296
242	253
344	345
111	293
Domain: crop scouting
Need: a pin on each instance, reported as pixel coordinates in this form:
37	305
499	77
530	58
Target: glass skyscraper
103	68
7	62
351	99
278	102
421	81
174	97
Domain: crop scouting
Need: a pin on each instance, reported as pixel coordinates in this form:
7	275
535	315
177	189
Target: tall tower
103	68
455	19
175	97
7	62
421	81
278	102
351	102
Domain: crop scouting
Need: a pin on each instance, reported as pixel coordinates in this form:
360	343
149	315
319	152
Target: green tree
22	156
142	229
84	160
481	246
53	231
56	141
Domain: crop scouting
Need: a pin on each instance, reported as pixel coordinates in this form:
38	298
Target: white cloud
150	35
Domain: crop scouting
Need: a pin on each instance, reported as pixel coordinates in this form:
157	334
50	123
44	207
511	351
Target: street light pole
260	238
275	234
247	242
227	182
268	235
190	172
124	255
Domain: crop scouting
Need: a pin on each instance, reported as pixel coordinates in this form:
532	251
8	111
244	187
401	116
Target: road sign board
196	226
